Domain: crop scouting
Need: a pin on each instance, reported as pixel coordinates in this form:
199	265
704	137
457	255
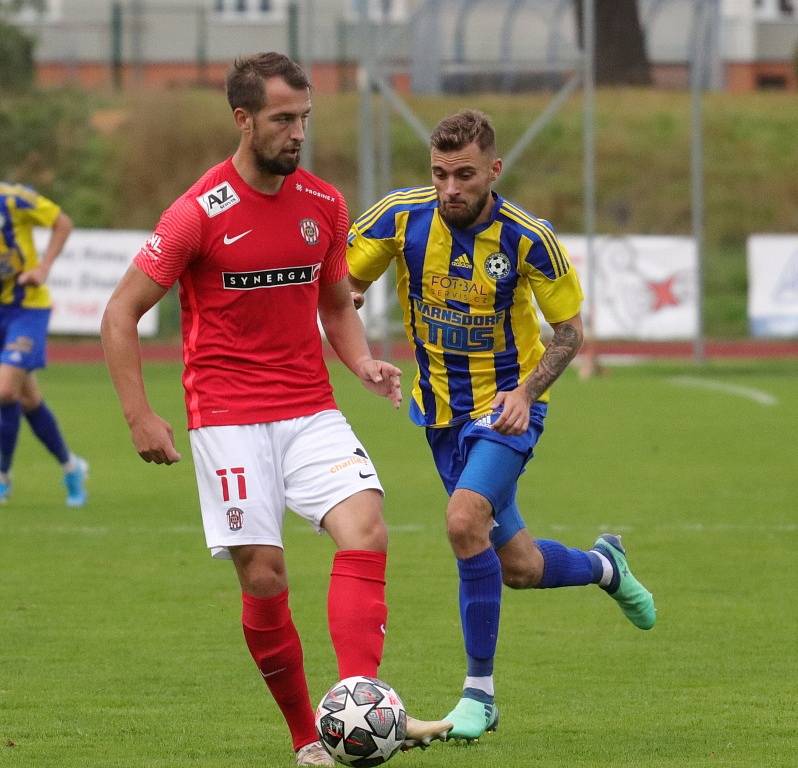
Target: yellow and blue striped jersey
466	296
22	209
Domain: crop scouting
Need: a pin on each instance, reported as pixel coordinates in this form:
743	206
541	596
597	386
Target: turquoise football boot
636	602
5	487
75	482
471	718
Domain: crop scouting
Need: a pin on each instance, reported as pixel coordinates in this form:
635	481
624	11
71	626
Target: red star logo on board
662	294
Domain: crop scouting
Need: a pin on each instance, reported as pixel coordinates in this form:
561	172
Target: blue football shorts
23	334
474	456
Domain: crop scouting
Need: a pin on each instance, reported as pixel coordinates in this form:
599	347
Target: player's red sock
274	644
356	611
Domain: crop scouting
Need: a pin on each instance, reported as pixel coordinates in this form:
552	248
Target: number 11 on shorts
242	482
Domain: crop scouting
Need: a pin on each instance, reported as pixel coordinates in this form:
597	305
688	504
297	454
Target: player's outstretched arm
563	347
347	337
136	293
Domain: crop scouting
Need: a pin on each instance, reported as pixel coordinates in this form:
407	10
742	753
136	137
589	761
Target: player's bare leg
522	562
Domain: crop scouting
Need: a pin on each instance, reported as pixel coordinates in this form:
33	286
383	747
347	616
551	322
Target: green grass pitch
120	641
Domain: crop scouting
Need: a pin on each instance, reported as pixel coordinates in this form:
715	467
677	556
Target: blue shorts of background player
23	334
23	340
475	457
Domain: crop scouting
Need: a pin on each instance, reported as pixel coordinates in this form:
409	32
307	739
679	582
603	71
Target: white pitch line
757	395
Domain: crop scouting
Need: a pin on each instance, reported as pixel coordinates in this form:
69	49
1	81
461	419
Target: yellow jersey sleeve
556	287
368	257
43	213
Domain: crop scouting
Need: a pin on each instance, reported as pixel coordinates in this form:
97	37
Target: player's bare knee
467	524
263	582
357	523
373	536
261	570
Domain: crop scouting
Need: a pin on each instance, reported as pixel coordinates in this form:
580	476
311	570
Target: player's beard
281	165
463	217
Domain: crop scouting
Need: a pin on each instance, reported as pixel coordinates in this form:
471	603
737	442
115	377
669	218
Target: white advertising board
86	273
773	285
646	285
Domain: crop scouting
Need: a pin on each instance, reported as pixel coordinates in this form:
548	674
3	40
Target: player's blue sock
478	695
568	567
45	427
480	601
9	431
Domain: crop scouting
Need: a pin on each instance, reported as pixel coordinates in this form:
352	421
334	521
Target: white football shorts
248	474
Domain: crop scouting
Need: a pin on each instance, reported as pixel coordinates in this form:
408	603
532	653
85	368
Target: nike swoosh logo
276	671
365	476
231	240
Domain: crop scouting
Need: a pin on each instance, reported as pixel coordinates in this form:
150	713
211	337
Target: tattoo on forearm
560	351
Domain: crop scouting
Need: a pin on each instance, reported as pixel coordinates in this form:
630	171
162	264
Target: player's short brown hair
244	83
459	130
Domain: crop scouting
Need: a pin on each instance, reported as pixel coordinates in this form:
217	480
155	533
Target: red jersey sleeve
335	267
173	244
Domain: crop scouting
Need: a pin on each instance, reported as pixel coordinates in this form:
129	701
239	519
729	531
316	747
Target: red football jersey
249	266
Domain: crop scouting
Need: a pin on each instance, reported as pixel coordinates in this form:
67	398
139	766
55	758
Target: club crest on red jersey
235	518
310	231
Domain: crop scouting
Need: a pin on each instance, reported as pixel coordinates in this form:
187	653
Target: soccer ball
361	721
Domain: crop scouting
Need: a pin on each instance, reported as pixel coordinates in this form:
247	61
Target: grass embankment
119	161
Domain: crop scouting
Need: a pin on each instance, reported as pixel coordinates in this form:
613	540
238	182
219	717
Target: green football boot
471	718
636	602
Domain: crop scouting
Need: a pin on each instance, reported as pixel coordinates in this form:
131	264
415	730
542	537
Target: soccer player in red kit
257	246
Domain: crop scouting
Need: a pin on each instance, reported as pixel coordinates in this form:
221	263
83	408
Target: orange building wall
334	77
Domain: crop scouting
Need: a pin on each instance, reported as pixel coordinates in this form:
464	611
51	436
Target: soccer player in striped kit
25	308
468	263
257	245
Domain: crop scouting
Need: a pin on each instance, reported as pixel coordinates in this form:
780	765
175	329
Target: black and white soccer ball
361	721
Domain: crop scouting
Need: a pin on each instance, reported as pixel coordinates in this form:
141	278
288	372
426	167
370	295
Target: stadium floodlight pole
116	46
591	364
202	45
365	72
307	55
697	73
375	318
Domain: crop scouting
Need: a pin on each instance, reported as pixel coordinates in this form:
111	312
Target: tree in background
16	58
621	57
16	48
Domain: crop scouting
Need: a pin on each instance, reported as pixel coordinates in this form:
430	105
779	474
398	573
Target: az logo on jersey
218	199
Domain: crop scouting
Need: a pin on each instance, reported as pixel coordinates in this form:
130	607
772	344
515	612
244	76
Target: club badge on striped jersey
310	231
497	265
